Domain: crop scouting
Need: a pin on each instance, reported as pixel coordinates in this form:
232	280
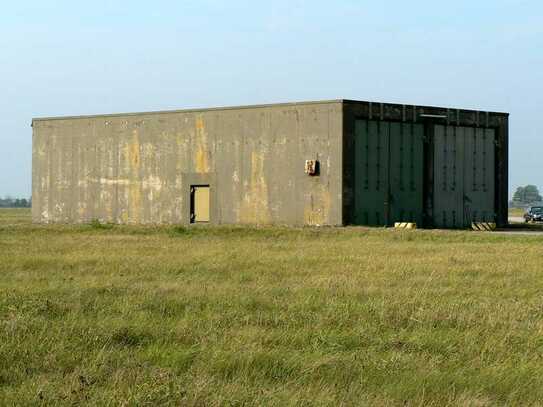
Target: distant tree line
526	196
9	202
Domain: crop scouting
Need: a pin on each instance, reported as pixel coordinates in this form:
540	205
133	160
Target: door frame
191	179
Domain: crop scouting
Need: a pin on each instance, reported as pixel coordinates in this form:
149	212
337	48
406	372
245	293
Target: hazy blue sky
70	57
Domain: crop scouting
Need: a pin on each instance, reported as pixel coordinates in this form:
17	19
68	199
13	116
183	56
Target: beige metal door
199	204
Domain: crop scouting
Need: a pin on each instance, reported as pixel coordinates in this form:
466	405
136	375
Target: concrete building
335	162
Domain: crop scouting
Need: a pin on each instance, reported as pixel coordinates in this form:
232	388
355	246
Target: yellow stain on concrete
148	151
317	207
106	199
255	207
111	173
134	203
134	194
134	151
81	209
201	158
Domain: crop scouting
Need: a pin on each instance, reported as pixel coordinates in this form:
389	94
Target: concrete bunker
339	162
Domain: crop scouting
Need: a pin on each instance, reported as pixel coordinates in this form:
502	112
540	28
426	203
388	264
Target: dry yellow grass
270	316
516	212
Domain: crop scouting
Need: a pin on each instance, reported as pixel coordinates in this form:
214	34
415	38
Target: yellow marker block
405	225
483	226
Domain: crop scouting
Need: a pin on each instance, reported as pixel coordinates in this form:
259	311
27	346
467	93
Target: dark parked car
534	214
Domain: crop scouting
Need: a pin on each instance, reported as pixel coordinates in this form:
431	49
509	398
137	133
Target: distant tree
9	202
527	195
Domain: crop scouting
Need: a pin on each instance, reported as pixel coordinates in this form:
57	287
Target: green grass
267	316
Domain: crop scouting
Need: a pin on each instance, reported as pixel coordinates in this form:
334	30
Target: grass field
272	316
517	212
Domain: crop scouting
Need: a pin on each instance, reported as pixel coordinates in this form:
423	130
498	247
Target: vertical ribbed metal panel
448	176
388	172
463	176
479	194
371	172
406	172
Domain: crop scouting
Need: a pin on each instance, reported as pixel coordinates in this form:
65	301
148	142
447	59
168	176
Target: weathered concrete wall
136	168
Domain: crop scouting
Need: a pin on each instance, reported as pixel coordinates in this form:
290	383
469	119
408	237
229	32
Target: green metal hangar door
436	167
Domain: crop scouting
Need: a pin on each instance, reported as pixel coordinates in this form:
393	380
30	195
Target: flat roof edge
427	106
191	110
256	106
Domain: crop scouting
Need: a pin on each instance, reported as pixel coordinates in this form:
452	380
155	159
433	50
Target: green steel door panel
406	172
479	175
448	176
371	172
388	172
488	210
463	176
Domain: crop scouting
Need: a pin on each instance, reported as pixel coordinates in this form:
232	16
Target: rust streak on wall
255	203
202	147
134	158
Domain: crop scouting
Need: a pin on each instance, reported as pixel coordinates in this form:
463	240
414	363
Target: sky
73	57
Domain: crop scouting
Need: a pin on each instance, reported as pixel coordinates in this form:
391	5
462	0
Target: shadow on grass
523	227
96	224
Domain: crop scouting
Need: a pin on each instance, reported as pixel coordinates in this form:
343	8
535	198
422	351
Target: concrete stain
317	207
201	158
255	208
81	210
134	196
